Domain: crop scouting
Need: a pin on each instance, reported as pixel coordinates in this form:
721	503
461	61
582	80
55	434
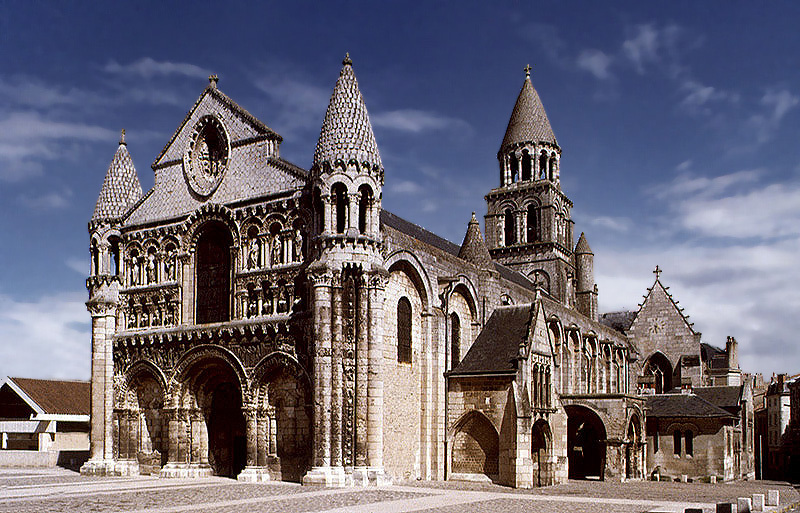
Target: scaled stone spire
473	249
582	247
346	131
121	187
528	121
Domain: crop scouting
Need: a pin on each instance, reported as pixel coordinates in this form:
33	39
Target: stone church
254	319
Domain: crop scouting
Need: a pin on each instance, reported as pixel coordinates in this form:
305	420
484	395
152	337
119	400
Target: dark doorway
659	367
540	453
586	444
227	442
213	274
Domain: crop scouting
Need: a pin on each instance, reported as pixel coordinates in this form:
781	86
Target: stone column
133	434
263	441
377	285
352	214
336	375
328	223
251	427
187	289
203	442
362	376
124	435
173	432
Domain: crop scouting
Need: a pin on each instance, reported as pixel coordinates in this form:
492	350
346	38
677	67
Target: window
510	228
676	440
655	442
533	224
455	340
514	168
364	202
213	268
689	436
526	165
340	203
404	330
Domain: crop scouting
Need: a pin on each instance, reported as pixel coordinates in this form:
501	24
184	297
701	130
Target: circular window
207	156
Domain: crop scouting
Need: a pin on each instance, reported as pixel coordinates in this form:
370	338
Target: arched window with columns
514	168
340	204
510	227
364	208
532	224
526	165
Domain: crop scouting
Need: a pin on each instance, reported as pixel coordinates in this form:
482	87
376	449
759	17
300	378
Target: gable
252	168
12	406
660	326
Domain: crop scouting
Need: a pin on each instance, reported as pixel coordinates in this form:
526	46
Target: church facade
254	319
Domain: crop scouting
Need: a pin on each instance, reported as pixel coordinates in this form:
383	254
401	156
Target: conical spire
346	132
473	249
582	247
121	187
528	121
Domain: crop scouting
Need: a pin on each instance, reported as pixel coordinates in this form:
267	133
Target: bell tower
528	223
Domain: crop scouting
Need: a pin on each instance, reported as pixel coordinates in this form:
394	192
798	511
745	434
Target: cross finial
122	137
347	60
213	79
657	272
528	69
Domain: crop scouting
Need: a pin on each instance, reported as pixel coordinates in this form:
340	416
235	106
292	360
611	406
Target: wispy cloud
148	67
698	95
54	325
47	201
416	121
300	104
615	224
25	91
404	187
642	48
595	62
79	265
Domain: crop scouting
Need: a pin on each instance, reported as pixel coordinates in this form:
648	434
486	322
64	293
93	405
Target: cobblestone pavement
60	490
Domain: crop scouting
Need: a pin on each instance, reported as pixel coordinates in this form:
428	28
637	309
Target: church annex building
254	319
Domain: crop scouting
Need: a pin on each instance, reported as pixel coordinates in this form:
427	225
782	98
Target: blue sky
678	123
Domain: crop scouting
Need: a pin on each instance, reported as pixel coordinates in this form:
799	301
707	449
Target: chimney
732	350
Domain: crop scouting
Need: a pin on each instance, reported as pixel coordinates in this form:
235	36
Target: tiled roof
620	321
582	246
121	187
57	397
682	405
418	232
528	121
723	396
473	249
497	346
346	131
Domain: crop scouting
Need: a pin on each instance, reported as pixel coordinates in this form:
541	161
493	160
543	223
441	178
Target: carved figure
151	268
169	265
298	245
276	251
252	254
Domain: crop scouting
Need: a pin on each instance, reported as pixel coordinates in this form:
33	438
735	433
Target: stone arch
542	454
209	212
283	404
465	287
201	352
409	264
633	444
660	368
475	445
586	443
141	426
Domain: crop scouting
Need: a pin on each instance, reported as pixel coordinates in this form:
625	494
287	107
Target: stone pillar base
110	468
370	476
253	475
186	470
327	476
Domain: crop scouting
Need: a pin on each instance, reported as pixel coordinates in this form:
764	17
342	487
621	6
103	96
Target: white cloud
79	265
595	62
615	224
46	338
780	101
148	68
643	47
47	201
404	187
32	92
698	95
415	121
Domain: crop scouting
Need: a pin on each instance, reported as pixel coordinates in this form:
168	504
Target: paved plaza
33	490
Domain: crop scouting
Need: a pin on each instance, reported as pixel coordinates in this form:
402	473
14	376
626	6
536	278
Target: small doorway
227	441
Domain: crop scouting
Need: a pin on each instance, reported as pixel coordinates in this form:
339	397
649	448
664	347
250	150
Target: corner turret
473	249
586	289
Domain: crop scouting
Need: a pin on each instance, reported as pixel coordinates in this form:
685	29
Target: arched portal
141	425
541	453
658	366
586	443
213	273
212	429
475	446
633	436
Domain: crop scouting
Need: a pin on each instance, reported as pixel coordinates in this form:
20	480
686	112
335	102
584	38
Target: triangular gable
538	336
240	124
22	395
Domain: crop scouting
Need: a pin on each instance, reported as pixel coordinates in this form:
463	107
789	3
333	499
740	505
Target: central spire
346	133
528	123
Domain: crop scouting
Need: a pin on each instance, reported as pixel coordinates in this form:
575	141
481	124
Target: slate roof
346	131
682	405
528	121
57	397
715	357
430	238
620	321
583	246
473	249
497	346
121	187
726	397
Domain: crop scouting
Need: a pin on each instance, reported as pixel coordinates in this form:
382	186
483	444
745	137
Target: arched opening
210	428
526	165
475	447
510	228
632	451
339	192
552	170
689	439
213	273
364	204
514	168
115	243
586	443
543	165
404	330
283	420
455	340
541	442
95	259
676	442
658	366
319	211
141	425
532	222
